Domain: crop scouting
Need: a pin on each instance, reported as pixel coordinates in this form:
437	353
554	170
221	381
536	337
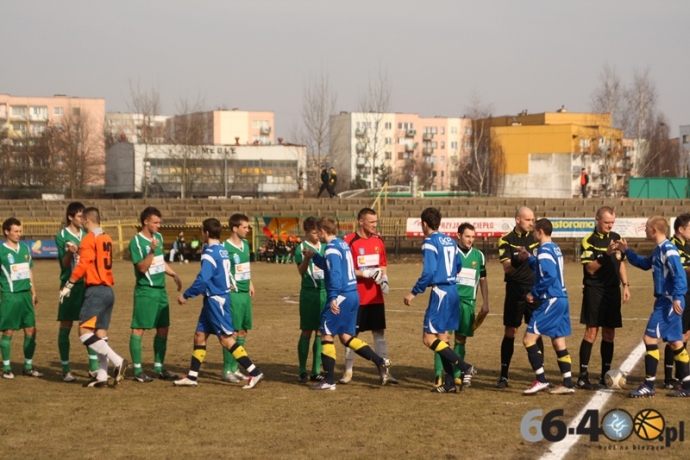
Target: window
19	127
443	144
400	126
18	111
388	141
453	145
401	155
454	130
443	130
58	110
467	146
443	160
468	130
388	156
388	125
686	138
76	111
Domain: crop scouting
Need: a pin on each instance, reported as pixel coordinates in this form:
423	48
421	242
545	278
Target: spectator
271	249
333	181
325	182
584	180
194	248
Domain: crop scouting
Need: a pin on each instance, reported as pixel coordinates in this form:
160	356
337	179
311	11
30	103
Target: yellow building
545	152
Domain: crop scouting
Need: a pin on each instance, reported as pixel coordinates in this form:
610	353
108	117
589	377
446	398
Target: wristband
69	284
626	284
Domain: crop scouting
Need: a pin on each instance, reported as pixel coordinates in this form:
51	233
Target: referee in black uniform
603	273
681	240
519	279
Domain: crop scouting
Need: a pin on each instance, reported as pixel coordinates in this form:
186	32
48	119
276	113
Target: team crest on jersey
236	258
361	250
474	264
10	258
26	257
148	248
376	249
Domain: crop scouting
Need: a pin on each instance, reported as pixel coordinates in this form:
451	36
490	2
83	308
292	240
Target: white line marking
559	450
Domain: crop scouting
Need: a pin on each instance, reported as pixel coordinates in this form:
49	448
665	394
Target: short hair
521	210
92	214
544	225
659	223
365	212
432	218
73	209
681	221
148	212
212	227
604	210
236	220
7	225
328	225
464	226
309	224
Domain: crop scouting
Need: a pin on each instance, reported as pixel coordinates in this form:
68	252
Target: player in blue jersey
552	317
441	266
665	322
214	282
339	316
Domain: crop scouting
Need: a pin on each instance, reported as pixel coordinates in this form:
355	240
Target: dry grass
47	418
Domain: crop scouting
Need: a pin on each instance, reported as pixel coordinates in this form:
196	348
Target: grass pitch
280	418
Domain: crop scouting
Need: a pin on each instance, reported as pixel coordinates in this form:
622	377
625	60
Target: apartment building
544	153
135	127
222	127
373	148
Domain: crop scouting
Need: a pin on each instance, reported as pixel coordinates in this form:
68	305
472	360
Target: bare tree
145	106
77	148
609	97
187	136
663	156
318	104
375	103
482	170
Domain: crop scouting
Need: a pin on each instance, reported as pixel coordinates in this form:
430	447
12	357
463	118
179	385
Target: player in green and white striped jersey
151	306
312	299
18	298
67	241
241	296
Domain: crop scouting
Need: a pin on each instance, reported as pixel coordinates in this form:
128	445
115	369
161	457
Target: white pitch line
559	450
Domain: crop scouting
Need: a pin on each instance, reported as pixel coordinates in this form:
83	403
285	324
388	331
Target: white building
135	127
364	145
204	170
684	146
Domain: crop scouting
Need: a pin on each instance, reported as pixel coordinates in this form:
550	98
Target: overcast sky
257	55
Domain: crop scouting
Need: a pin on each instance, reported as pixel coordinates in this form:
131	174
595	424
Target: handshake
378	277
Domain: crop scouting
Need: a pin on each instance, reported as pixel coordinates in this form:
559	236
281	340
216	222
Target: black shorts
371	317
601	307
515	306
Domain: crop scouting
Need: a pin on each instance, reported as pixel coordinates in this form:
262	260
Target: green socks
438	366
316	350
63	347
29	348
6	348
230	364
160	347
135	351
303	353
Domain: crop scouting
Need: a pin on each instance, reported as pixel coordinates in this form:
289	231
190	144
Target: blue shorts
344	322
552	318
215	317
443	313
664	323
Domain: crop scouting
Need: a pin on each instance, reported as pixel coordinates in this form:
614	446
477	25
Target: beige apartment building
135	127
373	148
222	127
24	119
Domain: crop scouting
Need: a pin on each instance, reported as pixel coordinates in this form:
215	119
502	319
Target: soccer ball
615	379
